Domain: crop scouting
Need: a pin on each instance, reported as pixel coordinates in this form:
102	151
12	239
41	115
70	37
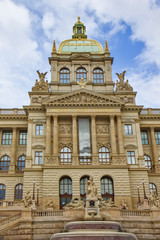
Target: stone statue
42	85
75	203
123	205
108	203
82	83
154	200
91	190
122	85
50	204
27	200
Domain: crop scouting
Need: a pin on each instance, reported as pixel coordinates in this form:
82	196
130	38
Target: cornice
150	117
13	117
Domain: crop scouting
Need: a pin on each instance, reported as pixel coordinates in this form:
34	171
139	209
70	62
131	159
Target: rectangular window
144	137
7	138
23	138
38	157
128	129
39	129
131	157
157	137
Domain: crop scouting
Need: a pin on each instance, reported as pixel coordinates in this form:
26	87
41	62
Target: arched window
83	187
2	191
4	163
64	75
98	75
104	155
18	192
107	191
148	162
152	187
65	155
65	191
21	163
81	73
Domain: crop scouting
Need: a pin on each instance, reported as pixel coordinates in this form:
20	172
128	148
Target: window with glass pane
64	75
159	159
23	137
98	75
131	157
157	137
107	190
4	163
2	191
65	155
21	163
128	129
81	73
104	155
152	187
144	137
39	129
148	162
38	157
19	192
7	138
65	186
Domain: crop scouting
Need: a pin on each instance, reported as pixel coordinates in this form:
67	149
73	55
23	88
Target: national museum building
79	125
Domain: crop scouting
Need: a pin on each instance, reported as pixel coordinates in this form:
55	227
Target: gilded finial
78	19
54	46
106	46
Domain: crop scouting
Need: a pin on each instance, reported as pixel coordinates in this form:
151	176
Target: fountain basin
93	235
93	225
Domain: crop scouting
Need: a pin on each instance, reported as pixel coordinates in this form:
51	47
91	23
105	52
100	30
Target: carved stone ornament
91	189
102	129
51	160
38	99
42	85
123	205
122	85
82	83
127	99
65	129
75	203
154	200
104	144
63	144
108	203
27	200
119	160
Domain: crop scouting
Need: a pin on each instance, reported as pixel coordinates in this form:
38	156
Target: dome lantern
79	30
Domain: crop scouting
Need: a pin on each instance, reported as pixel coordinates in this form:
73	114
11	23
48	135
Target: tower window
148	162
81	73
7	138
4	163
157	137
98	75
131	157
39	129
64	75
128	129
23	138
104	156
65	155
38	157
144	137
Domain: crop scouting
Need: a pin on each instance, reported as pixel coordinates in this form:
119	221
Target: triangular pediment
83	98
80	56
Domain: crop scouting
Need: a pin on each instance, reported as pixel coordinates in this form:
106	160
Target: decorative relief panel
65	128
38	99
127	99
51	160
65	144
119	160
102	128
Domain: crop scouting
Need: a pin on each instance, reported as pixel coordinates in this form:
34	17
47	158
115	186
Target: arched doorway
107	190
65	191
83	188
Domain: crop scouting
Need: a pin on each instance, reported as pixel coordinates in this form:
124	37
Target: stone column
120	135
94	141
113	135
12	166
29	144
74	140
139	144
154	147
55	135
48	136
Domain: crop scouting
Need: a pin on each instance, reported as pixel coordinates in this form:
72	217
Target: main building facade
78	125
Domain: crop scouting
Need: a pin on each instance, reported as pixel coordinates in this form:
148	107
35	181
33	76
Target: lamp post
143	181
37	195
139	200
34	183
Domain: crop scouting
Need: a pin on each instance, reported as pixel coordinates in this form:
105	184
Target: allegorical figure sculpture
75	203
122	85
41	85
27	200
91	190
82	83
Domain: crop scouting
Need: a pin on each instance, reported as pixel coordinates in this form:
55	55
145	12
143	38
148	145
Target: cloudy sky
28	27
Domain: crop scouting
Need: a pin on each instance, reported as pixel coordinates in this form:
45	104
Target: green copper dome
79	42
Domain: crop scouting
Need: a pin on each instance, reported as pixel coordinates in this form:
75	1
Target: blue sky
28	28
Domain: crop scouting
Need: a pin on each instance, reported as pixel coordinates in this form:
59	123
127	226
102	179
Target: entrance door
65	191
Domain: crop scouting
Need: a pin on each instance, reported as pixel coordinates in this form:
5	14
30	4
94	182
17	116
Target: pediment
80	56
83	98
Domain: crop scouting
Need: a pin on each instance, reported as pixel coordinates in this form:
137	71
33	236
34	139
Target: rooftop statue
122	85
42	85
82	83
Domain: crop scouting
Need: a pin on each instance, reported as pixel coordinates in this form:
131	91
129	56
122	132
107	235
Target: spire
106	47
54	47
79	30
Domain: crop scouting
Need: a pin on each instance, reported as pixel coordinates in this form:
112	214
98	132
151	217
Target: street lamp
143	181
139	200
34	182
37	195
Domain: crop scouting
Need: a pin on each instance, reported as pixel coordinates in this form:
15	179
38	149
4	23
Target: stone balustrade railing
135	213
150	111
47	213
10	219
12	111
